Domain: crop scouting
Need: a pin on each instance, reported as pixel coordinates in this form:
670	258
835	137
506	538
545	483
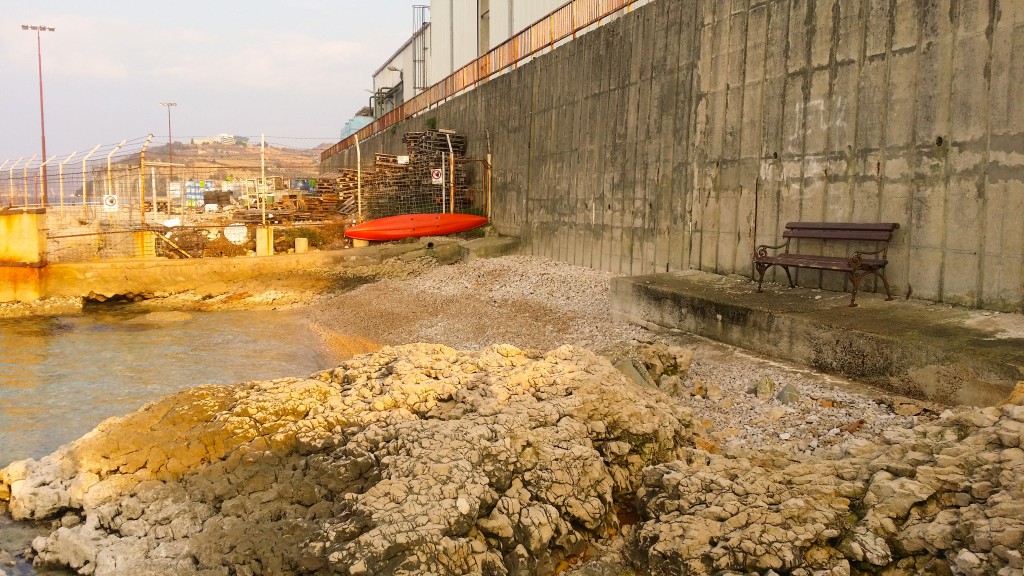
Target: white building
449	35
463	30
222	139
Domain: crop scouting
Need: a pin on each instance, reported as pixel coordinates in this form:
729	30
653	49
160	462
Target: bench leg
855	279
788	277
761	268
886	282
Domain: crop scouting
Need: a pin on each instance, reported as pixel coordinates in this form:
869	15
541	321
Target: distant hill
214	161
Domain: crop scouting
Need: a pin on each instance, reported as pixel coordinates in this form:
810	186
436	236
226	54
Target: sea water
61	376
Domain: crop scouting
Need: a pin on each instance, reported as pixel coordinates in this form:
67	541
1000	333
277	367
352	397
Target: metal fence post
85	185
142	182
42	184
60	179
24	178
10	180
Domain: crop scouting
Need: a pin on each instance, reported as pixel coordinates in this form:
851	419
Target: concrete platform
911	347
490	247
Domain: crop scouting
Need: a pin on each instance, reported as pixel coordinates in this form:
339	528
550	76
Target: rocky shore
416	458
533	435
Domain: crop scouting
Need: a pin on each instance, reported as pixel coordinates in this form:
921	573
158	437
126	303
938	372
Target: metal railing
567	21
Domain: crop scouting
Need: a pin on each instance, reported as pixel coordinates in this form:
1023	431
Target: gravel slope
535	302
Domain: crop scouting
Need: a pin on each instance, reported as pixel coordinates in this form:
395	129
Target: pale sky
295	71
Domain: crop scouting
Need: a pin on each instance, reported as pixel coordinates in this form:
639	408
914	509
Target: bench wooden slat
821	234
837	263
876	226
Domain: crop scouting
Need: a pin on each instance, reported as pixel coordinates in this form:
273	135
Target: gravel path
524	301
534	302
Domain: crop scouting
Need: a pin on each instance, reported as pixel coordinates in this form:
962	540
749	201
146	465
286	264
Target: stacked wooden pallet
338	182
424	143
336	194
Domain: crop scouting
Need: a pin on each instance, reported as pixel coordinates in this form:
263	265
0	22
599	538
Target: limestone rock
942	498
664	360
765	388
788	394
414	459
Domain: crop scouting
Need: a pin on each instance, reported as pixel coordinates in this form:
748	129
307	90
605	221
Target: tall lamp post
42	121
170	163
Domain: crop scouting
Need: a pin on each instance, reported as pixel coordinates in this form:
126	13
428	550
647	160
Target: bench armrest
762	250
857	257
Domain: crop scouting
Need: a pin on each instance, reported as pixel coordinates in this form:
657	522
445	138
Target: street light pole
42	121
170	163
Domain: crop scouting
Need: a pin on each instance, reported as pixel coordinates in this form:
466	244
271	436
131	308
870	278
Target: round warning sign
110	203
437	176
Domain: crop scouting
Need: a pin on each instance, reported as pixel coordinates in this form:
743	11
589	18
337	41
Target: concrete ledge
491	247
140	275
912	348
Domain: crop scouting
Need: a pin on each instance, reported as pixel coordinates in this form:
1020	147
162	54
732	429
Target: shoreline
746	410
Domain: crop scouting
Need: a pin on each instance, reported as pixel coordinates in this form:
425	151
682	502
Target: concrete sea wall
659	141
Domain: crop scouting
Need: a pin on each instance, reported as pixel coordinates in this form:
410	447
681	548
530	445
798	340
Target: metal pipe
451	162
170	162
42	121
85	185
60	180
152	183
263	180
359	181
487	135
444	187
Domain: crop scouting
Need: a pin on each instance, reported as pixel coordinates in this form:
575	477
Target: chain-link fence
212	239
193	200
137	199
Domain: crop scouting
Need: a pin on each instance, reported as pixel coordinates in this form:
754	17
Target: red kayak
414	226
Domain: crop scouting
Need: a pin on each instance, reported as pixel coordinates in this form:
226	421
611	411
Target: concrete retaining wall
22	254
645	145
160	275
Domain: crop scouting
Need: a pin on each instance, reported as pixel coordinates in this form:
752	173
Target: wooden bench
857	265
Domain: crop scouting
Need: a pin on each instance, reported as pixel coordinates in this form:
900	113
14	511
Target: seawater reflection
60	377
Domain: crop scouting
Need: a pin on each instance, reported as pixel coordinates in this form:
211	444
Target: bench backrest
868	232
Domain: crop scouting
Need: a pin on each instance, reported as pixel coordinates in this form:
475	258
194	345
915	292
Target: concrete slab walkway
911	347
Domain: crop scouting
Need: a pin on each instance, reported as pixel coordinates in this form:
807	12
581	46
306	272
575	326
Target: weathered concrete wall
22	254
644	146
22	236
